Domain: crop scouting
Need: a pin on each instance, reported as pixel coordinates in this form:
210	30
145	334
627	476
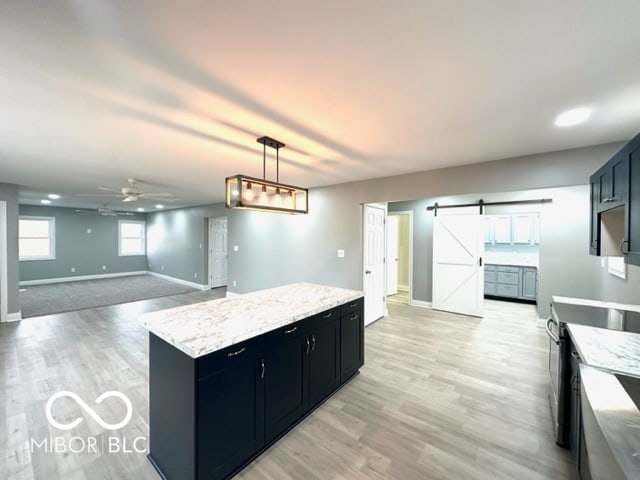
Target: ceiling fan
104	211
131	193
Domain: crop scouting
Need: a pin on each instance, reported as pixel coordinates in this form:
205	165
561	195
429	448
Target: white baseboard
403	288
420	303
232	294
199	286
14	317
45	281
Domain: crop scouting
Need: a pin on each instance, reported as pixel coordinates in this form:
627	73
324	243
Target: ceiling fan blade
156	195
97	195
108	189
130	198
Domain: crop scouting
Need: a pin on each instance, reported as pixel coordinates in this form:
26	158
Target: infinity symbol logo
89	410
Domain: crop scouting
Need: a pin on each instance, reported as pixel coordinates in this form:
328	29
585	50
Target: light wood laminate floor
441	396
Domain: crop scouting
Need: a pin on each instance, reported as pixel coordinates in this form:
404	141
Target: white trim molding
232	294
4	276
199	286
420	303
15	316
46	281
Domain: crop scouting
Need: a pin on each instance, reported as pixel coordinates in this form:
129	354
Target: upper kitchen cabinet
502	229
615	205
520	229
612	180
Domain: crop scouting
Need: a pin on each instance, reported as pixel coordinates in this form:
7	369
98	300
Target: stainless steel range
593	313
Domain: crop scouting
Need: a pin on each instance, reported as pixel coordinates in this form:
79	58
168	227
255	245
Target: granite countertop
610	349
206	327
596	303
617	418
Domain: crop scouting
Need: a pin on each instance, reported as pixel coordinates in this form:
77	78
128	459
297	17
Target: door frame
384	207
4	257
409	213
211	248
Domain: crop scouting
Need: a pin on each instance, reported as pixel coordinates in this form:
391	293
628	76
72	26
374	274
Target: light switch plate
341	253
236	248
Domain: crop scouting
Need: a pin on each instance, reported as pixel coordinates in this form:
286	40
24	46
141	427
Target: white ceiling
176	93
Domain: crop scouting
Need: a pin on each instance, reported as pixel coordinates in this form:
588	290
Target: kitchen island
228	377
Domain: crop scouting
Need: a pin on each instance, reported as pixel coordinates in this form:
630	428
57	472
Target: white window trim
617	267
144	238
52	239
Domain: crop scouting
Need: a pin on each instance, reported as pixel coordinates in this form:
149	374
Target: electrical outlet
162	268
104	267
236	248
341	253
234	283
73	269
200	246
88	230
195	275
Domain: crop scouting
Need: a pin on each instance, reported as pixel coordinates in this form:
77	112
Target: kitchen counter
596	303
610	349
605	353
206	327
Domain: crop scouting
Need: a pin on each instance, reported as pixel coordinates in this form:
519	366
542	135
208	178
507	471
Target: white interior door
392	255
374	273
4	297
218	252
458	274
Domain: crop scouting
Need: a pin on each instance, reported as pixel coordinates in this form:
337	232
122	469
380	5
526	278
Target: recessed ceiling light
44	201
573	117
140	209
54	196
159	206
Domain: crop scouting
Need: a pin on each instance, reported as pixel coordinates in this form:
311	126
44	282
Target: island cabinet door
351	344
324	360
230	406
286	380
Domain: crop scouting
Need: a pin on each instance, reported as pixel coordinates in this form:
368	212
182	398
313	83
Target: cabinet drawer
507	290
490	268
508	278
351	306
225	358
508	269
489	276
489	288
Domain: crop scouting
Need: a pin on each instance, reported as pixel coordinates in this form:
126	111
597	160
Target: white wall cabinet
520	229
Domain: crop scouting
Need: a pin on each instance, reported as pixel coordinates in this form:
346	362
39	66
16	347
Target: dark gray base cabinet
210	416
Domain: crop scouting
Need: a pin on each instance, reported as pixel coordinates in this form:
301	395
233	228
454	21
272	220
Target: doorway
374	262
400	257
4	297
218	233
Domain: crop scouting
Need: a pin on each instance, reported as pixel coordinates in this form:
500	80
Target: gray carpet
39	300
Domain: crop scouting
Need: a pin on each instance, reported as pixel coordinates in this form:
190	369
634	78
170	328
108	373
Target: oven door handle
552	336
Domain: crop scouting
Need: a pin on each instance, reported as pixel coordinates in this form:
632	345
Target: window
37	238
131	238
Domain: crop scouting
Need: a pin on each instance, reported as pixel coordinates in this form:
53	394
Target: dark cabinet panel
286	378
612	182
633	209
351	344
230	407
594	225
324	361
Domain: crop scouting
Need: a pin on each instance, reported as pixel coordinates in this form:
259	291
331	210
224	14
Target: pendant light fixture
251	193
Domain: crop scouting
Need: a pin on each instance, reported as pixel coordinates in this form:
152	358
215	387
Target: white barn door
458	274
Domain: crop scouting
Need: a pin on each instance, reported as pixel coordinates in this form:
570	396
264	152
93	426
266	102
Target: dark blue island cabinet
210	416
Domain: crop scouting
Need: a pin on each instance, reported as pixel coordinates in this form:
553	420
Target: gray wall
86	252
276	249
9	194
615	289
178	241
566	268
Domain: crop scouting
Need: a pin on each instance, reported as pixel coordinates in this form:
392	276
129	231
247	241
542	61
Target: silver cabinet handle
327	315
313	343
290	331
262	368
353	317
353	305
308	346
550	333
233	354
